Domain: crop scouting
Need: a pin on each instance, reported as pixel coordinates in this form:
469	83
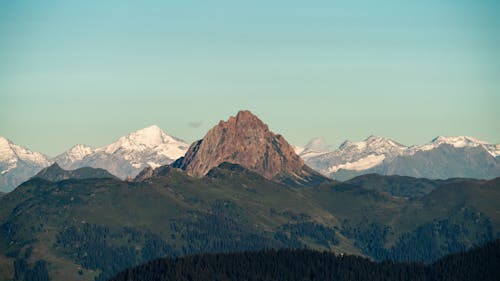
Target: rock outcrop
245	140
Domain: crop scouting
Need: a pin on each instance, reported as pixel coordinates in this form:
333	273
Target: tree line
480	263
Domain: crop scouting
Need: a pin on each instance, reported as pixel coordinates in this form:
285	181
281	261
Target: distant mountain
123	158
314	147
442	158
355	155
459	142
18	164
129	155
55	173
73	156
445	161
247	141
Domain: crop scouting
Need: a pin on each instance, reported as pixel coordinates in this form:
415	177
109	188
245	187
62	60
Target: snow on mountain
318	144
145	140
364	163
298	149
79	151
128	155
73	155
17	164
315	147
13	153
495	150
377	155
355	155
458	142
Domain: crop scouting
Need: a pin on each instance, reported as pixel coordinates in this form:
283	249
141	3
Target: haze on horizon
89	72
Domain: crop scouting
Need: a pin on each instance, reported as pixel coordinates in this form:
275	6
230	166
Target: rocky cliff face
245	140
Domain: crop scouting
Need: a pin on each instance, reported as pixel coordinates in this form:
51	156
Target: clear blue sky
91	71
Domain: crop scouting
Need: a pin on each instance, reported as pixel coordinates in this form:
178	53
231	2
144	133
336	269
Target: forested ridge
481	263
91	229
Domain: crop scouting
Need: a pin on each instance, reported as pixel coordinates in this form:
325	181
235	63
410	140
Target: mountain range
125	157
241	187
442	158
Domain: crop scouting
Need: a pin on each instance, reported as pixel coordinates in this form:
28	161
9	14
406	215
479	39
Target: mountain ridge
18	164
55	173
247	141
124	158
128	155
150	146
478	159
108	224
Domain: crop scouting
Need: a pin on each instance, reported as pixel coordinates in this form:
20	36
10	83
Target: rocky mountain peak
247	141
143	139
12	152
6	150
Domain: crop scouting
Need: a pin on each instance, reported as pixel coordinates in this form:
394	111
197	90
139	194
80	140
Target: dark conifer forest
481	263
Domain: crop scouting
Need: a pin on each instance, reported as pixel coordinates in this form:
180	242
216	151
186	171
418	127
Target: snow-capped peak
11	154
317	144
6	151
360	155
374	144
376	154
9	151
377	141
459	142
127	155
149	137
145	143
79	151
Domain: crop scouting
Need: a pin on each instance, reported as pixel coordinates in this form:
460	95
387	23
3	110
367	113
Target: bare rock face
245	140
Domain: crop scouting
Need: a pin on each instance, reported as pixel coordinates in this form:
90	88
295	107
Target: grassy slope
41	209
144	205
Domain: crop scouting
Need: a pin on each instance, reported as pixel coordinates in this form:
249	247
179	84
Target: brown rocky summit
245	140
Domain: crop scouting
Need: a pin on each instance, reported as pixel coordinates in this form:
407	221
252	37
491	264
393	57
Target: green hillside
80	229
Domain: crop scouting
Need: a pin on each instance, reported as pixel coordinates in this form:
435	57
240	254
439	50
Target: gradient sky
92	71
